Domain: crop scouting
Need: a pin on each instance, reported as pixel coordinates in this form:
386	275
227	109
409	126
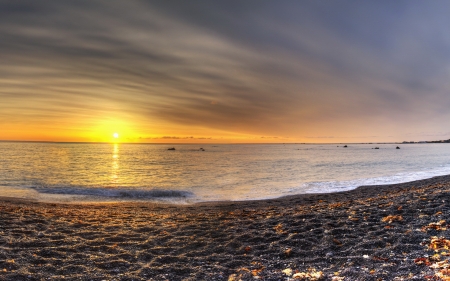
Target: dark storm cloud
261	67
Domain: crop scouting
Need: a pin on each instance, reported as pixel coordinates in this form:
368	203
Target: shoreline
212	202
368	233
368	190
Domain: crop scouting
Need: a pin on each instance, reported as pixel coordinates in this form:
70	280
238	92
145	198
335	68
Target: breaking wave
117	193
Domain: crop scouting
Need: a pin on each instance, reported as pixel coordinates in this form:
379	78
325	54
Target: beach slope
392	232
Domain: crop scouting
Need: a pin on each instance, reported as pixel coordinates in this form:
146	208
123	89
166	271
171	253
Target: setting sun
116	135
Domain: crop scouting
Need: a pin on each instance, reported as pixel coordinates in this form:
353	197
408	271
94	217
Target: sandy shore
392	232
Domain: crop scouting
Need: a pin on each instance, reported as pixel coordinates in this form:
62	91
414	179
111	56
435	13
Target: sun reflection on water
115	164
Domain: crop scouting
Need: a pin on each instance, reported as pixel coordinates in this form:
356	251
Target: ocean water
73	172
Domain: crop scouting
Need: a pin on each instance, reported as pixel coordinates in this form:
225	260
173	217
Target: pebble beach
390	232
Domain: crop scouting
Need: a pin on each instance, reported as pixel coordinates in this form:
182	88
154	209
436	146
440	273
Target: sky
225	71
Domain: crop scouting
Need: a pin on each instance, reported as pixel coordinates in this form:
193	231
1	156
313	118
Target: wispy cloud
177	138
286	68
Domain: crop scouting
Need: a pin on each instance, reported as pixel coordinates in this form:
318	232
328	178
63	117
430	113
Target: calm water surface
122	172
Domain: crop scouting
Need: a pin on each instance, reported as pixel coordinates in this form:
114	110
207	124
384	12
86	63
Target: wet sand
392	232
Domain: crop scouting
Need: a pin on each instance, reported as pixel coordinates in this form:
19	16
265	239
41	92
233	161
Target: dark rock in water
377	147
172	148
397	147
345	145
202	149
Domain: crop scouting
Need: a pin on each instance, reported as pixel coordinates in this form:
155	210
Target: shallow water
73	172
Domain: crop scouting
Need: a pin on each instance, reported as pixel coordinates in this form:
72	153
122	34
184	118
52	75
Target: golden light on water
115	163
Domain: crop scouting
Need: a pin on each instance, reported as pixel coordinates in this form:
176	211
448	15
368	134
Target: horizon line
174	143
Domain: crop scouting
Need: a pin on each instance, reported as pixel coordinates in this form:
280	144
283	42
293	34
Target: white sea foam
337	186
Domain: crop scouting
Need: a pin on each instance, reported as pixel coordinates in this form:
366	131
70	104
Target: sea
190	173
